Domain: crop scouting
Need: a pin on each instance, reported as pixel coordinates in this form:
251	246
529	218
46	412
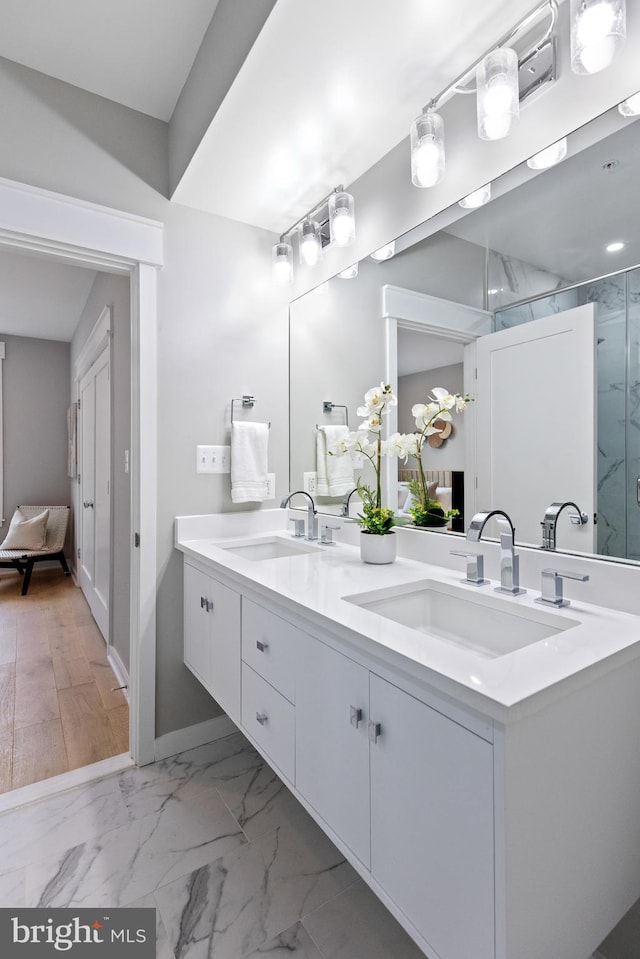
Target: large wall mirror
524	304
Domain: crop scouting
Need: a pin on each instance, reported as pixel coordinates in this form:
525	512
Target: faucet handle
551	594
326	530
298	527
475	567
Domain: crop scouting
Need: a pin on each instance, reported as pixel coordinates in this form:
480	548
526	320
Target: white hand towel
335	473
249	452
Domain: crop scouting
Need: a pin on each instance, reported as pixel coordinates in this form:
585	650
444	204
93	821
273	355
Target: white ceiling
329	87
419	351
136	52
41	297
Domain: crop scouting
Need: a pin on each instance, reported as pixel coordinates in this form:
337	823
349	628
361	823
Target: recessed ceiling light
549	157
385	252
477	198
615	247
631	106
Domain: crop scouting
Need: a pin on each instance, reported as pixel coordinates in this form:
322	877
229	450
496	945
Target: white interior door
536	424
95	489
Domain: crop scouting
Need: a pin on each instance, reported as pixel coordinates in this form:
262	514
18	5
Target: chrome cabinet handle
263	647
206	604
88	504
203	603
355	716
374	730
261	718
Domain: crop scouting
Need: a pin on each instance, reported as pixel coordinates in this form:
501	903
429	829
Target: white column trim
96	342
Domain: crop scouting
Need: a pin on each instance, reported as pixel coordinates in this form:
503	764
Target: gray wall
113	291
415	388
36	397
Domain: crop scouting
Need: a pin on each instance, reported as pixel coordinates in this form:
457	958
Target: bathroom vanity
473	755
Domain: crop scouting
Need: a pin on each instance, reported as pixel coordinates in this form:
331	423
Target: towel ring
247	403
328	407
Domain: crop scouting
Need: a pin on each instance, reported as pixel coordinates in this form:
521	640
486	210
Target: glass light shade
385	252
631	106
342	219
427	149
282	263
477	198
598	31
350	273
549	156
310	243
498	97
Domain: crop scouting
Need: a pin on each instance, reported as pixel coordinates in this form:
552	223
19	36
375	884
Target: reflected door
95	492
536	424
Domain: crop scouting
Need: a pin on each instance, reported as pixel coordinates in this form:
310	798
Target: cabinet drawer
270	719
268	646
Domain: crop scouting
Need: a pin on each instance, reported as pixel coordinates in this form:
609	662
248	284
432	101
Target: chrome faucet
550	521
509	561
312	515
345	501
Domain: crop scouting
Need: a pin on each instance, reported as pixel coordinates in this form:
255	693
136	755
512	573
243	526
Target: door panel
536	424
95	489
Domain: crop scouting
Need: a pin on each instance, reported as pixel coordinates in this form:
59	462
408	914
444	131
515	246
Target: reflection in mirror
537	252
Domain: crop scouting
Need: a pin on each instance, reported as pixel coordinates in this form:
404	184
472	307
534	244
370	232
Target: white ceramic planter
378	549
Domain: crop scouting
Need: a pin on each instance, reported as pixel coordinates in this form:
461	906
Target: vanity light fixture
631	106
498	100
310	243
477	198
332	220
427	149
549	157
282	263
598	31
615	247
385	252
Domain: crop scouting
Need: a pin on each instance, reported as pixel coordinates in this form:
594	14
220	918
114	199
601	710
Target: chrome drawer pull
261	718
263	647
374	730
355	716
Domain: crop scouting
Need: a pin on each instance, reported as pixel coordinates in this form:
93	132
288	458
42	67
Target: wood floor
58	707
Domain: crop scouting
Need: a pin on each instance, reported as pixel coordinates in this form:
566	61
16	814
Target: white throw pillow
26	533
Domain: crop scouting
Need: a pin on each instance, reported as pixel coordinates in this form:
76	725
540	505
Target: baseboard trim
192	736
119	669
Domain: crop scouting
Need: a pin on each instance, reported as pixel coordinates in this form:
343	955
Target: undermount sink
482	623
268	547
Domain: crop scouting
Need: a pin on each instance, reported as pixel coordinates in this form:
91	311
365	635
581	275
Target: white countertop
314	586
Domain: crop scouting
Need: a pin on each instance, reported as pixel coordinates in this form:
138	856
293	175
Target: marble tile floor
233	865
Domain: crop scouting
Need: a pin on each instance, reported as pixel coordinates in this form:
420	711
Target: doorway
78	232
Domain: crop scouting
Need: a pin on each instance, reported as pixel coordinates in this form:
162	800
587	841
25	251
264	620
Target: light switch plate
213	459
310	483
271	486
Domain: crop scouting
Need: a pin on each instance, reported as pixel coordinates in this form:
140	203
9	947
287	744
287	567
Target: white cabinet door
332	751
432	822
212	637
196	623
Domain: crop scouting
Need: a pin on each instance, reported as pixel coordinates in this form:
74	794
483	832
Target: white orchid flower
373	423
444	398
461	403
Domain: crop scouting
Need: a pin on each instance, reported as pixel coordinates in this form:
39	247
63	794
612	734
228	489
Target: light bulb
310	244
615	247
550	156
282	263
498	103
631	106
385	252
427	149
342	220
598	29
477	198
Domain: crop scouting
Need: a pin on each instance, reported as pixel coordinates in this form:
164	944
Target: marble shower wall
618	395
633	415
510	280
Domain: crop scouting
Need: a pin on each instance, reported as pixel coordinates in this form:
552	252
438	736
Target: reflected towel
335	473
249	454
